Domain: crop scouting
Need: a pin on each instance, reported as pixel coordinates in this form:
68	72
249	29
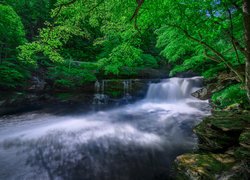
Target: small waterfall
127	87
97	87
173	89
103	86
99	96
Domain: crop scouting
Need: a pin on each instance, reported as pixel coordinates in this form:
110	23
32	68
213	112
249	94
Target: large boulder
221	130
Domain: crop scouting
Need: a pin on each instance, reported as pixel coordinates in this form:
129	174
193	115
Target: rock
220	131
187	74
210	166
224	144
245	139
150	73
202	94
203	166
243	152
37	84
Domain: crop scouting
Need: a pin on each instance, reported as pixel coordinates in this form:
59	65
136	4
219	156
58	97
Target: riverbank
223	148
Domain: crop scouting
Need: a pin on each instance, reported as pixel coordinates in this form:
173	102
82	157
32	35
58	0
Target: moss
221	130
242	153
203	166
245	138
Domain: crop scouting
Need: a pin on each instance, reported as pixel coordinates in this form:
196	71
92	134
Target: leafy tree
116	44
11	35
209	30
70	76
123	56
34	13
11	32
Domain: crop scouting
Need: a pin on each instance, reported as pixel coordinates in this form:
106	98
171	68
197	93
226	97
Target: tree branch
232	35
217	53
61	6
139	2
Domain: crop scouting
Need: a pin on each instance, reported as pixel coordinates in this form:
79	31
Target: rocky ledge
223	149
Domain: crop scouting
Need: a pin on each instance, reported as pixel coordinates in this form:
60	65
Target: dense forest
71	43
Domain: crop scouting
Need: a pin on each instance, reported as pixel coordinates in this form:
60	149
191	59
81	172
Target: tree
34	13
246	13
11	35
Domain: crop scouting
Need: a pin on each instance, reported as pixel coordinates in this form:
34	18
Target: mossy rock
203	166
243	152
245	139
214	139
221	130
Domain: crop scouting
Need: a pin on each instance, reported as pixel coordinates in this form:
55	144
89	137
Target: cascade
173	89
99	96
97	87
127	87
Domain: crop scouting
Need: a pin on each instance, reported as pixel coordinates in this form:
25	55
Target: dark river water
137	141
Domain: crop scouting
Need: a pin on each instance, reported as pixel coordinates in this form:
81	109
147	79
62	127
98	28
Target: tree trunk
246	15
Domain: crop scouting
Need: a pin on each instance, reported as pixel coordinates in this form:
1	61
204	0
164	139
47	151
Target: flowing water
134	142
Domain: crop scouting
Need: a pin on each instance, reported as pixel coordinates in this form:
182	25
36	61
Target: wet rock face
224	149
221	131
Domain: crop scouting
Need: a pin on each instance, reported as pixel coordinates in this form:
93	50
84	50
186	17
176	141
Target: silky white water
136	141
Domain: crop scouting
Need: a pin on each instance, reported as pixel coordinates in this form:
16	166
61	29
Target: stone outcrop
223	149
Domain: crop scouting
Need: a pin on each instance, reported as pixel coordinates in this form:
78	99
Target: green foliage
11	31
72	41
122	56
11	76
149	61
229	96
198	32
213	71
67	76
11	35
33	13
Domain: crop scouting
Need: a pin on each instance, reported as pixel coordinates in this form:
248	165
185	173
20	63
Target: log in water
134	142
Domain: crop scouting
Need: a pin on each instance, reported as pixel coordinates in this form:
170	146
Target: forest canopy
73	42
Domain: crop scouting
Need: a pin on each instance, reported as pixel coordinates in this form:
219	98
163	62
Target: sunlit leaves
193	27
123	55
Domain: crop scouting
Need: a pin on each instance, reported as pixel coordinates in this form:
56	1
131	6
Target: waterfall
99	96
127	88
97	87
173	89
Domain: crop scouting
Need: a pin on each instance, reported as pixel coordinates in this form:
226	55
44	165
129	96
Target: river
136	141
